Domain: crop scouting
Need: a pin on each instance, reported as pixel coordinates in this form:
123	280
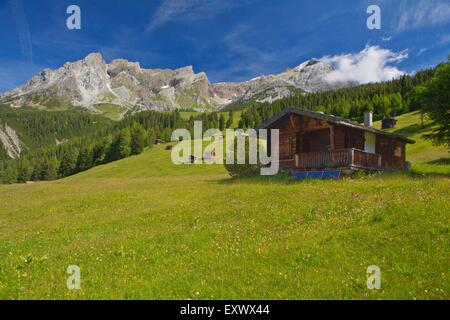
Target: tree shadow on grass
440	162
419	174
284	179
412	174
412	129
280	178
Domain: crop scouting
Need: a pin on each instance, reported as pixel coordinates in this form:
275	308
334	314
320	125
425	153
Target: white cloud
20	19
424	13
370	65
422	51
171	10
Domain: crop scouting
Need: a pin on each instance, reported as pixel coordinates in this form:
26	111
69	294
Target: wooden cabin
388	123
311	141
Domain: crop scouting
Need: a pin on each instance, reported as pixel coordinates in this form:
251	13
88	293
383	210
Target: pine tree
25	171
2	174
385	106
214	120
137	139
230	120
124	143
10	172
48	169
85	159
68	162
151	137
396	104
221	122
101	149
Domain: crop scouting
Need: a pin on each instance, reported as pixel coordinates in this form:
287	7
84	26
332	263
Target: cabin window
369	142
398	152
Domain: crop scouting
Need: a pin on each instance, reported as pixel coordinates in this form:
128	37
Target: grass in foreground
138	233
144	228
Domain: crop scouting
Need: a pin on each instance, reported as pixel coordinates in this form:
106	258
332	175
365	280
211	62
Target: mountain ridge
91	81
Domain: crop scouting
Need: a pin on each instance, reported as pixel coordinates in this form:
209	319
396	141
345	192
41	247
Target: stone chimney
368	119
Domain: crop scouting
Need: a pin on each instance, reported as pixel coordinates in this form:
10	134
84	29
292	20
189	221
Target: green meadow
144	228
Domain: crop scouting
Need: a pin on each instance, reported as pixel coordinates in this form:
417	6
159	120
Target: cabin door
383	149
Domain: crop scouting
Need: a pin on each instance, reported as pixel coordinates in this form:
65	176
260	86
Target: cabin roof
331	119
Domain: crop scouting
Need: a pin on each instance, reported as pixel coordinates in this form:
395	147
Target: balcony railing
339	158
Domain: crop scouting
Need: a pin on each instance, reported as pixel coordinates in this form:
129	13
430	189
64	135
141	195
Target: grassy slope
111	111
144	228
424	157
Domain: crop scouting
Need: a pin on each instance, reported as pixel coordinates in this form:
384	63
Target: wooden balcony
342	158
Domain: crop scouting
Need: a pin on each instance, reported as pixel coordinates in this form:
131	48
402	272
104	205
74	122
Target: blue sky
231	40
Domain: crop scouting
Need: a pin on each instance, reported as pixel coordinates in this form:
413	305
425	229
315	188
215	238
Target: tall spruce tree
85	158
25	170
124	143
221	122
68	162
230	120
47	169
152	137
137	139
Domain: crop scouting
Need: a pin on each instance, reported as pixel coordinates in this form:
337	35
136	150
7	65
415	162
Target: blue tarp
331	174
325	174
300	175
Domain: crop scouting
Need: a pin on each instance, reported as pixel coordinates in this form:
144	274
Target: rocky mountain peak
91	82
119	65
184	71
94	58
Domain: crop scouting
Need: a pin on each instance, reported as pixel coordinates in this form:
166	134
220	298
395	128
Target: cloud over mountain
373	64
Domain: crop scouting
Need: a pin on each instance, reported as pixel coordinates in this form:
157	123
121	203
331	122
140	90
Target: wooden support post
351	156
332	144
